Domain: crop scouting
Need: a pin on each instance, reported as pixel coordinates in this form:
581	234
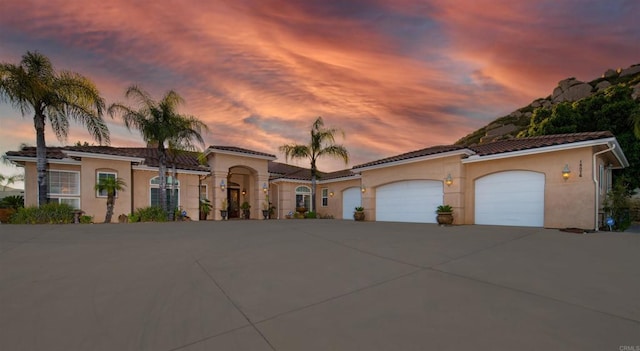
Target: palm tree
322	144
160	124
8	180
34	86
110	185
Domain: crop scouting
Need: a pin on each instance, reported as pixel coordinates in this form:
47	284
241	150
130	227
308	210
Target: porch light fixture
222	185
244	191
363	189
331	193
448	180
265	188
566	172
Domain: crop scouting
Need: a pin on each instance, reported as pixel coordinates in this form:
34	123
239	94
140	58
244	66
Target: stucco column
218	194
261	195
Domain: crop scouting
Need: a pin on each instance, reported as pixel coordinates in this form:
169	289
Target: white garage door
409	201
510	198
350	200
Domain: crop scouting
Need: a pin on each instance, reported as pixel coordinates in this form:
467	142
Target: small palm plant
110	185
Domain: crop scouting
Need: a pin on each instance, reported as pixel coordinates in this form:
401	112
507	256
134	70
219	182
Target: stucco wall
434	169
252	173
189	191
334	207
96	206
567	203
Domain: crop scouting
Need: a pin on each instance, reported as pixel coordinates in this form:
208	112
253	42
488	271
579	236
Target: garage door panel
409	201
510	198
351	199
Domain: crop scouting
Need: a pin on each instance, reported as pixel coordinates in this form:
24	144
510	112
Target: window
155	191
105	175
203	191
325	197
64	187
303	197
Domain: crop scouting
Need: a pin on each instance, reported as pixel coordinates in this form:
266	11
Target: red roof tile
413	154
502	146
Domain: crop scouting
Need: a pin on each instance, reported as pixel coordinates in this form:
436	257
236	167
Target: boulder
603	85
636	92
629	71
610	73
574	93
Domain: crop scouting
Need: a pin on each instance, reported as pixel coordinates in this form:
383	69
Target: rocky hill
568	90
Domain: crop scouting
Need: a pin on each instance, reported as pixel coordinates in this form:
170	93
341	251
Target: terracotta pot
358	216
445	218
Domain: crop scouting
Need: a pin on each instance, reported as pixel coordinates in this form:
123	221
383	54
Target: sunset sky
395	75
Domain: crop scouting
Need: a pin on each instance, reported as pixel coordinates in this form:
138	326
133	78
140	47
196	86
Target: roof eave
560	147
213	150
464	151
103	156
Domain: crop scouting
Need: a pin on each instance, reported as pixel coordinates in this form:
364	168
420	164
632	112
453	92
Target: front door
234	203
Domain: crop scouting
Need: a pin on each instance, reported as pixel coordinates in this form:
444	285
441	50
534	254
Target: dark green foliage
444	208
86	219
134	218
150	214
14	201
52	213
611	110
310	214
617	204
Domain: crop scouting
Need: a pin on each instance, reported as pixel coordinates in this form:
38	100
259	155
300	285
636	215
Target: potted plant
445	214
205	208
224	209
265	210
358	214
245	207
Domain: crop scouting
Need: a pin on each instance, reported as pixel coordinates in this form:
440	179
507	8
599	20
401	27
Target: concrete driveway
316	285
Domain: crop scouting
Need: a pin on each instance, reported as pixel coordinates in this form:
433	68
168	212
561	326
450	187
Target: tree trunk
162	173
313	185
41	158
111	199
173	201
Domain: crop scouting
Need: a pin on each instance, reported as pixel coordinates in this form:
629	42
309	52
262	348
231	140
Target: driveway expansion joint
234	304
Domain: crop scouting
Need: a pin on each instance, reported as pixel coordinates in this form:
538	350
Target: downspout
595	181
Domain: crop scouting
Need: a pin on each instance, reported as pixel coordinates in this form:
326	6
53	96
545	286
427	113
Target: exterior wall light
244	191
265	188
222	185
566	172
331	193
363	189
448	180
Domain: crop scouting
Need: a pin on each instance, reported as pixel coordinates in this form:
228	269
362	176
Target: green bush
14	201
151	214
86	219
53	213
134	218
310	214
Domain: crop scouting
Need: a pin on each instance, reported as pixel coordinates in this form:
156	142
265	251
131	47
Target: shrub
14	201
86	219
359	209
310	214
134	218
151	214
444	208
53	213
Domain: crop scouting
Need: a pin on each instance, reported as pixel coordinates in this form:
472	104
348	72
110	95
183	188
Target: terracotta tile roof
502	146
413	154
240	150
282	170
185	160
53	153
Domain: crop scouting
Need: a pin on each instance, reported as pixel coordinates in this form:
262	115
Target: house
554	181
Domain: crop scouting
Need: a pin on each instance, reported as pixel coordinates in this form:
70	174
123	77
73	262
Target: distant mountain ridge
568	90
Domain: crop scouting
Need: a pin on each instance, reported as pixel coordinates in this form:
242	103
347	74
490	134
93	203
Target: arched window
155	194
303	197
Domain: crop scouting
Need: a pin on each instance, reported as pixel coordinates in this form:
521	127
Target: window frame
168	189
60	197
306	193
325	197
99	193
